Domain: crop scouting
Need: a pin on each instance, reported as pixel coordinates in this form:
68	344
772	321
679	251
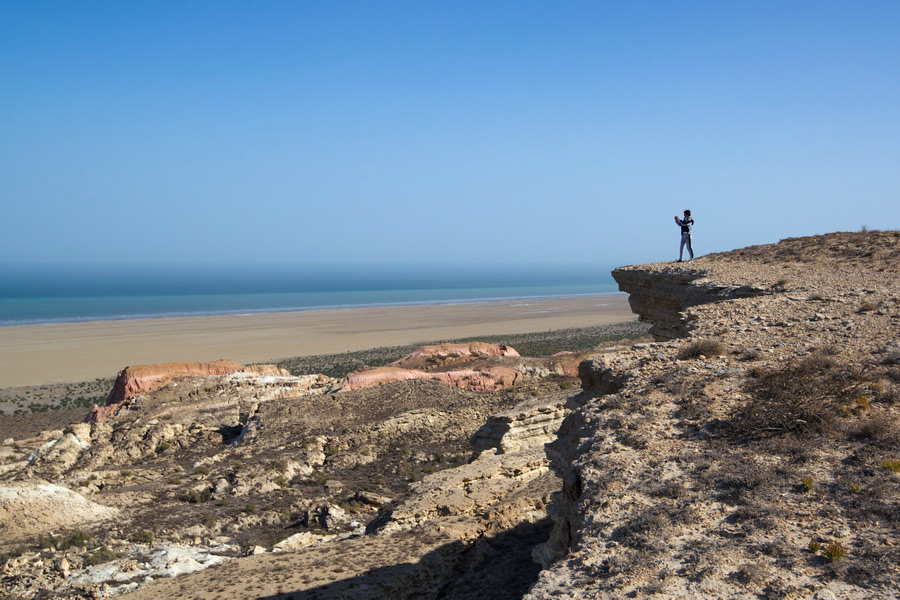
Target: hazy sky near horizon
469	131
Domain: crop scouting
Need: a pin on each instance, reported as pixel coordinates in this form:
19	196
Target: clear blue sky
441	131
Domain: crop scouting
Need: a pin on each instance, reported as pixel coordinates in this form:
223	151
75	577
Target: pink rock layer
143	379
470	349
490	378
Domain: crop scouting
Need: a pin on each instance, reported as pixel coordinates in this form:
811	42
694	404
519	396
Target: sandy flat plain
73	352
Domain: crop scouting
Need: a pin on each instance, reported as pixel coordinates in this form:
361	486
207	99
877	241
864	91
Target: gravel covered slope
758	457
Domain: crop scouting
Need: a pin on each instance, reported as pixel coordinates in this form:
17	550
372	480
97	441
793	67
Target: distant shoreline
80	351
291	309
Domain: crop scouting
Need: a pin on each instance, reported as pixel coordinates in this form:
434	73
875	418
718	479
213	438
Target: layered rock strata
532	423
180	413
483	379
661	296
455	351
135	381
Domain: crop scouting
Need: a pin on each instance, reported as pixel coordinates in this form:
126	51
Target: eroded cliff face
661	294
751	458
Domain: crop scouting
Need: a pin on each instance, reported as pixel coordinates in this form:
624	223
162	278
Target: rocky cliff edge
756	457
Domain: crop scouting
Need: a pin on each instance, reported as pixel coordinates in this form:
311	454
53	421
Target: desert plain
73	352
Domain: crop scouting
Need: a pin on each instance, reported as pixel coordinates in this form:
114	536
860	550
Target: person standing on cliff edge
686	223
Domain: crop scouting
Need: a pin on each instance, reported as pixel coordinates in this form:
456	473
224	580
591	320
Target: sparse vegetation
740	479
279	465
318	477
14	552
76	539
878	427
891	465
144	536
801	395
833	551
707	348
101	555
869	306
198	497
720	509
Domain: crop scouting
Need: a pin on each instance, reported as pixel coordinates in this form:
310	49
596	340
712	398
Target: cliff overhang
662	295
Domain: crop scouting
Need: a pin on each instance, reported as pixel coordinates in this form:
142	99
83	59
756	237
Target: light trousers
685	239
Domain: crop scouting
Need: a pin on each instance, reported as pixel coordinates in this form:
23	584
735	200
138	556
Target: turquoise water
87	293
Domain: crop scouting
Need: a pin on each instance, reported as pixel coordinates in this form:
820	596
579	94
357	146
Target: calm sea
32	293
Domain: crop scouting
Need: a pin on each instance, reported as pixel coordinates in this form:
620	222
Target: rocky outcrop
254	461
446	351
29	508
179	414
509	459
143	379
604	374
488	378
268	381
469	492
266	370
661	294
532	423
564	364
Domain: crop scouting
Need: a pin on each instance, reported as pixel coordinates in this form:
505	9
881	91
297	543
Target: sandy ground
74	352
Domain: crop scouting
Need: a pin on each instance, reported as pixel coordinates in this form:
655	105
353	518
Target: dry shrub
878	426
669	489
739	479
708	347
750	573
645	529
873	565
750	355
800	396
830	350
869	306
